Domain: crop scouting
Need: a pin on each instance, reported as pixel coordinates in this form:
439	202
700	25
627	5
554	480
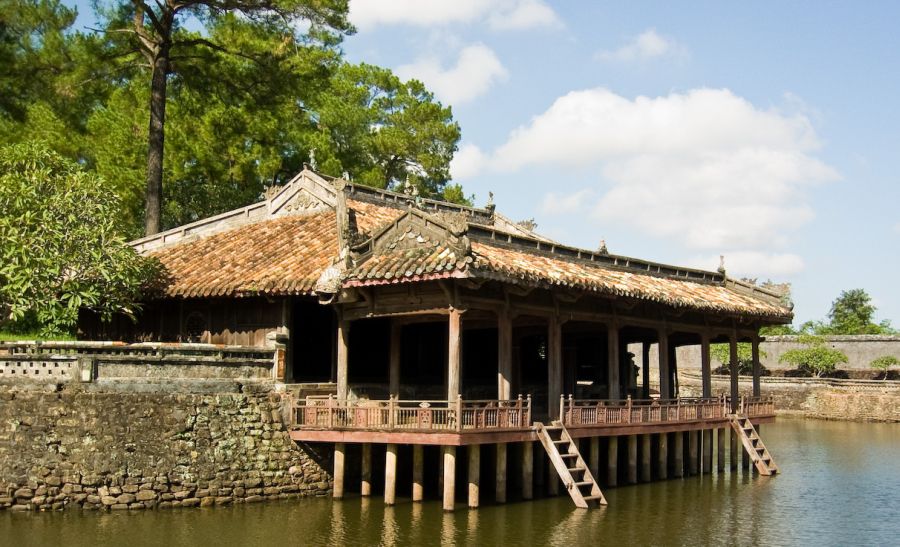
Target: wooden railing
757	406
393	414
631	411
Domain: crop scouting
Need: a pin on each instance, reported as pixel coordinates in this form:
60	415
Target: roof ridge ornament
721	268
603	250
312	159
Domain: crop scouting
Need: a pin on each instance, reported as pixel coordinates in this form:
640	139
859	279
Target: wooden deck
457	423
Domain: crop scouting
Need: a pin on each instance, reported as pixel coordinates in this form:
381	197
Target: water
840	485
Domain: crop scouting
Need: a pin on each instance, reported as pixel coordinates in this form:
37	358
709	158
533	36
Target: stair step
576	469
592	498
563	441
584	483
568	455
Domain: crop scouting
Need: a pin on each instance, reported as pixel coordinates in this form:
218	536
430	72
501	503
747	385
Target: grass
6	336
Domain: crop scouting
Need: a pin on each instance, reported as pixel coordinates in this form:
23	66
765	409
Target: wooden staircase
572	469
753	444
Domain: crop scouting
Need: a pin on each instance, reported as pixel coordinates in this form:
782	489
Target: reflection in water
838	487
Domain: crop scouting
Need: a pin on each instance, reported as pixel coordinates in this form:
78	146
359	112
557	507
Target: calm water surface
840	485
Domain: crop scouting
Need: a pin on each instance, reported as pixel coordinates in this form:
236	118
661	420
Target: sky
767	132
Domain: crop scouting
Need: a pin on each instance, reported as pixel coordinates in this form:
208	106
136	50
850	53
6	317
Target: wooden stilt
449	457
693	452
474	474
501	473
418	483
720	449
632	459
594	456
365	486
662	464
646	453
734	449
390	474
552	478
527	470
678	455
339	455
612	461
707	450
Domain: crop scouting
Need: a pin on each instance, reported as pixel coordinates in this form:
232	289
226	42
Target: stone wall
126	449
868	401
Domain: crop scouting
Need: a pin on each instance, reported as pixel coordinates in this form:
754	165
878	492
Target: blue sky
766	132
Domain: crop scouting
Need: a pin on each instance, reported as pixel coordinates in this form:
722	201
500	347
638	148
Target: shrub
816	356
884	363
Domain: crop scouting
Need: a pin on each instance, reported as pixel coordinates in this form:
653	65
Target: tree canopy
60	245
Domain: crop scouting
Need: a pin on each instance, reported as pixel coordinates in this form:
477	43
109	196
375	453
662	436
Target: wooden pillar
365	487
705	366
646	452
343	344
612	461
394	374
664	390
645	370
612	362
734	449
474	474
527	470
693	452
554	366
707	450
390	474
632	459
594	457
340	450
678	456
745	456
662	464
501	473
418	480
449	457
757	366
734	368
504	356
454	355
720	449
552	478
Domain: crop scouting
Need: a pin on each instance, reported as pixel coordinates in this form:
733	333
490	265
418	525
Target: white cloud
468	161
476	70
562	204
646	45
499	14
752	264
705	169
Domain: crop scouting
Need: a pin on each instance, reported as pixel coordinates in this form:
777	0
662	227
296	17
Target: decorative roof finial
721	269
490	202
346	175
603	250
312	159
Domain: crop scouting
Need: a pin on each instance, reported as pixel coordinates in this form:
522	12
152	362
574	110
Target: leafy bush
722	354
60	248
884	363
816	356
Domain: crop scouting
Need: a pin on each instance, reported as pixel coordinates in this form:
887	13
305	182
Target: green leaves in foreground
59	245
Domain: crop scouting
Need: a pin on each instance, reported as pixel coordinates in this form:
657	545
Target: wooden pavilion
436	324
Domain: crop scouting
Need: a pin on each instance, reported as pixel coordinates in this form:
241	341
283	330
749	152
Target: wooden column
705	366
662	463
553	479
612	362
594	457
394	373
734	449
504	356
693	452
646	453
612	461
474	474
664	391
449	457
554	366
720	449
418	480
734	367
501	473
757	366
390	474
632	459
645	370
527	470
365	487
343	343
339	454
678	456
707	450
454	355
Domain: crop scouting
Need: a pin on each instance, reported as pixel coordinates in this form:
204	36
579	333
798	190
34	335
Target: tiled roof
282	255
537	269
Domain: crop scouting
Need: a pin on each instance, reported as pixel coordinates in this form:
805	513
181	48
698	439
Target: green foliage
851	313
60	248
884	363
722	354
816	357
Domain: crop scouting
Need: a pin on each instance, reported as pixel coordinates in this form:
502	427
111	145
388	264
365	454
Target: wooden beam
645	370
394	366
612	362
554	365
757	366
705	366
735	368
343	345
454	354
504	356
663	350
